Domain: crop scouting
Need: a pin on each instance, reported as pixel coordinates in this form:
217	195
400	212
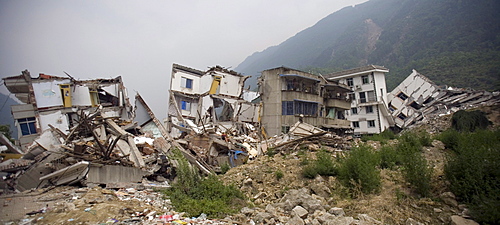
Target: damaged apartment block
289	96
56	101
417	98
210	102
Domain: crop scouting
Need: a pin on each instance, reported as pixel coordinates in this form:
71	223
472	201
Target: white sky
140	40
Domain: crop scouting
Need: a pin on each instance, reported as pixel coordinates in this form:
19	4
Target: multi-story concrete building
52	101
290	95
368	113
203	97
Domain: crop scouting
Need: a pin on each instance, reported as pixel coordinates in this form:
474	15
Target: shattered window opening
402	96
355	124
392	108
402	116
27	125
371	123
415	105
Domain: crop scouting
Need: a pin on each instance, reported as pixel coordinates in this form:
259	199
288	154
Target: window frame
355	124
365	79
369	107
186	83
370	123
27	126
185	105
354	111
349	82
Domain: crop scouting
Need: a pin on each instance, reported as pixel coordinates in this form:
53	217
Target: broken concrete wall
48	93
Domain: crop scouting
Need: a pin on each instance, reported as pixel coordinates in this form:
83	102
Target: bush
449	138
415	168
382	137
389	157
195	195
469	120
474	176
358	170
224	168
323	165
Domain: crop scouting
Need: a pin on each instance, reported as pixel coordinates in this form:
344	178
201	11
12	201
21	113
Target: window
369	109
371	96
352	96
285	129
355	124
27	125
354	111
362	97
371	123
350	82
185	105
392	108
286	108
402	96
186	83
402	116
299	107
365	79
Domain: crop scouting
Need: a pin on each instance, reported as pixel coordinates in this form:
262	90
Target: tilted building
289	95
198	98
52	101
368	99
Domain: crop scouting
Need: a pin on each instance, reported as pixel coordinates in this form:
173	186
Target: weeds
195	195
358	170
323	165
279	174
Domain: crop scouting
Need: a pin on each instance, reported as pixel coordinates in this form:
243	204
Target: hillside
452	42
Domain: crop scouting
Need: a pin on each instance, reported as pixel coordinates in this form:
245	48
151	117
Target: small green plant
424	138
271	152
224	168
279	174
450	138
323	165
358	170
195	195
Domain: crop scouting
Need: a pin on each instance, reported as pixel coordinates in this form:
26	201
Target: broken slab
106	174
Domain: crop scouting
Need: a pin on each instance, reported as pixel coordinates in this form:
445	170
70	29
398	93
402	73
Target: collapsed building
417	98
55	101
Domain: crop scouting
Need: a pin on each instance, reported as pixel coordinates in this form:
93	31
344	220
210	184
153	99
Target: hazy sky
140	40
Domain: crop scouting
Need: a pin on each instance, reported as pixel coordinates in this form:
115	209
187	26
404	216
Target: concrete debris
417	100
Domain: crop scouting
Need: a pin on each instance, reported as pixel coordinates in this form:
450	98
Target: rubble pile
96	150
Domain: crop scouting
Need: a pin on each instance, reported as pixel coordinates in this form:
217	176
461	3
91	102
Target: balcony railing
338	103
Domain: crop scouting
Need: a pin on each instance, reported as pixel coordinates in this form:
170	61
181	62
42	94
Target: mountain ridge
452	42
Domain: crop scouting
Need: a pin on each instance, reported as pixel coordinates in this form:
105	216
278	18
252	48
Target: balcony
337	103
329	122
367	101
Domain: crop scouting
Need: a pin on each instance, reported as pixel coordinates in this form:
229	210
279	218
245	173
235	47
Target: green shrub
323	165
469	120
424	138
358	170
224	168
449	138
195	195
474	175
382	137
389	157
271	152
415	168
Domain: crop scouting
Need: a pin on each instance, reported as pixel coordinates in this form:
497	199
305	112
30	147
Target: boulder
337	211
458	220
296	220
299	211
449	199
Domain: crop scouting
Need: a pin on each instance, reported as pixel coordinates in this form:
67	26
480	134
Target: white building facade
369	113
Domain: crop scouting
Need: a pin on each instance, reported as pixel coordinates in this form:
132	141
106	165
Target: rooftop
358	70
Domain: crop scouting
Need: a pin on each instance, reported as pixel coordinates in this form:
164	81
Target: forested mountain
453	42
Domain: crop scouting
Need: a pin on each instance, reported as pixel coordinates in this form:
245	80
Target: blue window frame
186	83
27	125
185	105
299	107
